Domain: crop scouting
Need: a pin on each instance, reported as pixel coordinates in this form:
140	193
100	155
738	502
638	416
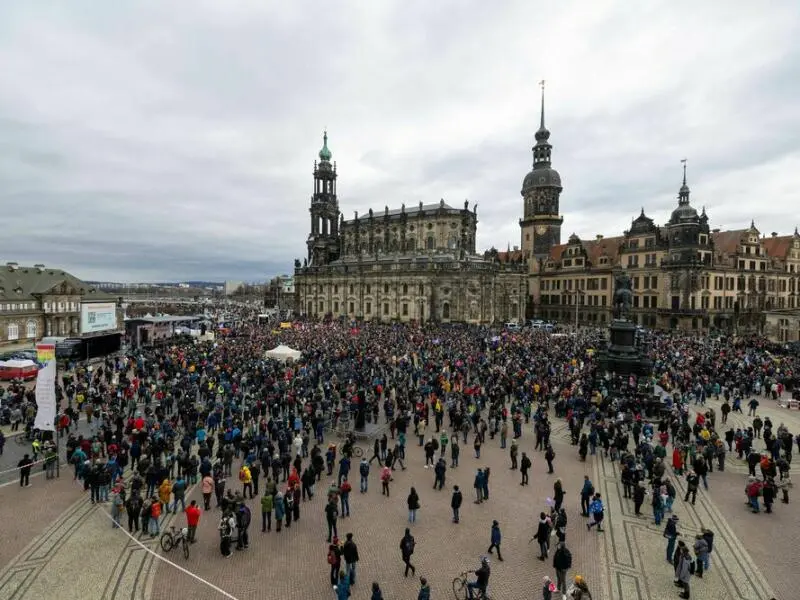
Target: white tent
283	353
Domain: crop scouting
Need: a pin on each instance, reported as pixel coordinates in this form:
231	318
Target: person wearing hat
548	587
496	537
580	591
671	533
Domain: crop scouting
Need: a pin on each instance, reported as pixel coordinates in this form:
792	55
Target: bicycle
171	539
460	588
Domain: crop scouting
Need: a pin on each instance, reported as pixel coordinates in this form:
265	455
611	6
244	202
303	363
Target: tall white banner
46	397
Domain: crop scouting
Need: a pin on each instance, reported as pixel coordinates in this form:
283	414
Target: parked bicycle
460	588
172	538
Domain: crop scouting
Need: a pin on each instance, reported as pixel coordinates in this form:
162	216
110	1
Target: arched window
13	331
446	310
411	245
30	329
431	243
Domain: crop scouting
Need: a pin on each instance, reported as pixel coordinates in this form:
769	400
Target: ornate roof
325	154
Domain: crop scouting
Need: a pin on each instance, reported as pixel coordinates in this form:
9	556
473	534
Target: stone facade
407	264
783	325
37	301
685	275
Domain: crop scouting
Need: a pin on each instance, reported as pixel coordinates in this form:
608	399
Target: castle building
416	263
685	276
420	263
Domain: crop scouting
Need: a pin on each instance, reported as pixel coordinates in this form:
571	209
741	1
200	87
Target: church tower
541	190
323	241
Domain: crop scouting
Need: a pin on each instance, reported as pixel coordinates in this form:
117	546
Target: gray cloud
139	140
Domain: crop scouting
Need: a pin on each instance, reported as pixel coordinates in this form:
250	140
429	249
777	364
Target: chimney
774	234
12	266
599	236
39	268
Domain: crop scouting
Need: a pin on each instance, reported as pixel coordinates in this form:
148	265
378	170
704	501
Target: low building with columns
40	301
416	263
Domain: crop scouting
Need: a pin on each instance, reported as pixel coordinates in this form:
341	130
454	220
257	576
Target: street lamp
576	294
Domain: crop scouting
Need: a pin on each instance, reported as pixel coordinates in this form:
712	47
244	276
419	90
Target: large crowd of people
241	426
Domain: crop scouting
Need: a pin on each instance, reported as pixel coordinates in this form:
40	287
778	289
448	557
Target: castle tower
541	190
323	240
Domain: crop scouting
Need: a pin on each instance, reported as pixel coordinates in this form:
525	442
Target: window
604	285
352	308
321	306
385	288
386	308
335	307
13	331
446	310
335	289
405	309
431	243
351	288
369	308
30	329
405	289
369	289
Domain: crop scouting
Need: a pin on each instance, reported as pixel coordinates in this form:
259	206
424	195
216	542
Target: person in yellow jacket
164	494
246	477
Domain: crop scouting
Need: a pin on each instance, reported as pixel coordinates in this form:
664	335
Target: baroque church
419	262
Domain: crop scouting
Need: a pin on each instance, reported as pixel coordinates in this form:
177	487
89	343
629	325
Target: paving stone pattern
55	534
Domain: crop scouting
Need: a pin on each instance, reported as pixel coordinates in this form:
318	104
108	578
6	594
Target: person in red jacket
192	519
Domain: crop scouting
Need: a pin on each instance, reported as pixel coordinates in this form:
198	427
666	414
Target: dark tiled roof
409	210
777	246
25	283
509	256
727	242
594	249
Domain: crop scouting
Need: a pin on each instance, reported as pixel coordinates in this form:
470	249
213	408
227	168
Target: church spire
541	120
542	149
683	193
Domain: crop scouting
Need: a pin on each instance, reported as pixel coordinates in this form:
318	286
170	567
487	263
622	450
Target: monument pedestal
623	355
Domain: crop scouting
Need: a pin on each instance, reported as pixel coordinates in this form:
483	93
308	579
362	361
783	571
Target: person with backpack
246	479
363	471
331	513
267	502
587	491
671	533
350	555
386	477
334	559
596	510
496	538
543	536
549	456
280	510
455	502
407	545
227	526
524	466
344	496
562	562
242	524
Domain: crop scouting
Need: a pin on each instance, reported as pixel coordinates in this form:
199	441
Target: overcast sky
173	140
